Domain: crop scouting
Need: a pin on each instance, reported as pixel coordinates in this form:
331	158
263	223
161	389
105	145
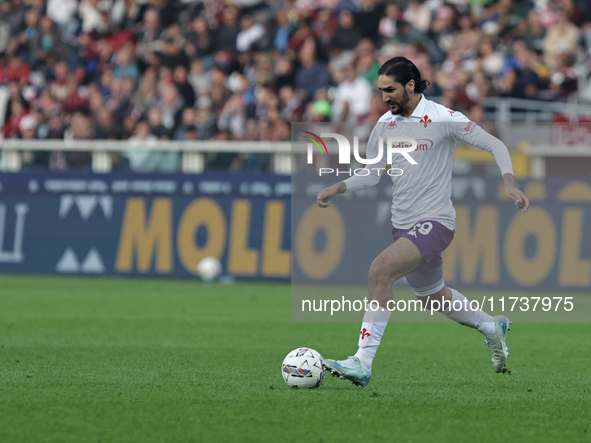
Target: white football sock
372	329
460	310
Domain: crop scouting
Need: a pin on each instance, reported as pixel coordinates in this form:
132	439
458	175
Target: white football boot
350	369
497	344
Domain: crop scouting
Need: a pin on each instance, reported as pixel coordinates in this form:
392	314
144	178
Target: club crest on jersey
426	120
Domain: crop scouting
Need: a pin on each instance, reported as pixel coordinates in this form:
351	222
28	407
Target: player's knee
380	275
433	301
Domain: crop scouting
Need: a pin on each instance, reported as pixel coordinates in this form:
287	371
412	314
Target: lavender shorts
431	237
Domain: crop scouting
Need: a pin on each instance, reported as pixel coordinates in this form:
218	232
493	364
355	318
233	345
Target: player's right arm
362	180
324	196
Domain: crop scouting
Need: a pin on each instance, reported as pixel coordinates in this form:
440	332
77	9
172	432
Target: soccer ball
209	269
303	368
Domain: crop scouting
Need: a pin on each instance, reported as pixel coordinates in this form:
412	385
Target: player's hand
518	197
324	196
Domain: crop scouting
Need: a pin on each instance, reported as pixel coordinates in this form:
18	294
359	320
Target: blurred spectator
491	61
312	74
346	35
80	129
17	113
292	107
418	15
59	84
147	160
218	91
124	64
205	123
284	72
352	97
16	70
48	41
387	26
406	34
62	12
146	96
510	84
563	80
563	36
199	39
222	160
283	31
14	94
233	117
187	124
170	54
28	131
107	127
367	17
149	31
73	101
94	16
184	88
250	35
157	129
198	79
524	62
228	33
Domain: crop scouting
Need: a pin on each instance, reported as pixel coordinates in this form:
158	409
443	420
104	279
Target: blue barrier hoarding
163	224
143	224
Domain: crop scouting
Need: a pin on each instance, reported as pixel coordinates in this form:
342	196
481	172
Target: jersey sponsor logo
392	124
424	144
470	127
426	120
364	334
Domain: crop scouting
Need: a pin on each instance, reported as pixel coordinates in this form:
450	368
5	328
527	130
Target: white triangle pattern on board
106	204
86	204
93	263
66	202
68	262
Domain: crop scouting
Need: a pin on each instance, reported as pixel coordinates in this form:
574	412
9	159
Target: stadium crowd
148	70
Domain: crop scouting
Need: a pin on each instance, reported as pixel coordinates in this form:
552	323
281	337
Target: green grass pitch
146	360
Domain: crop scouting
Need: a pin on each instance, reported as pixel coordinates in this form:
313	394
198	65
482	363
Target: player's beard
402	105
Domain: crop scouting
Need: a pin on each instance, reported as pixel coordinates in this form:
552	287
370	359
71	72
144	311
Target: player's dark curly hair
403	71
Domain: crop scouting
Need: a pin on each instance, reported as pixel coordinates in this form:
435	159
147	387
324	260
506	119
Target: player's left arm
476	136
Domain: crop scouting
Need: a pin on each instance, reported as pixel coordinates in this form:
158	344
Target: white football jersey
422	191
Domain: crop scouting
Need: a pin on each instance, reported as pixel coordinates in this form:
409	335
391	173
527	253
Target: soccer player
422	215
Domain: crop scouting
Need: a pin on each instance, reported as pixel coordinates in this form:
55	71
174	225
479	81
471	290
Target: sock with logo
372	329
460	310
